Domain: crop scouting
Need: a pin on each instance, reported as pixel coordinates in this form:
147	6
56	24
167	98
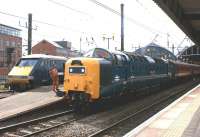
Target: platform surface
179	119
26	101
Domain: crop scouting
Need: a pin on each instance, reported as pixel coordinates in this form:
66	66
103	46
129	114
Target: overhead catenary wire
140	2
40	22
145	27
126	17
109	9
70	8
46	23
16	16
73	30
49	24
73	9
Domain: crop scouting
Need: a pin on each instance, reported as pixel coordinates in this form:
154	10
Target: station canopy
191	55
186	14
156	51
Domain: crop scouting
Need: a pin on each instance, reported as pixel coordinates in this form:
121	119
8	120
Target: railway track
43	124
35	126
105	131
5	94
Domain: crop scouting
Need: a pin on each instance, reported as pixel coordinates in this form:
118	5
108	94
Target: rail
164	99
24	125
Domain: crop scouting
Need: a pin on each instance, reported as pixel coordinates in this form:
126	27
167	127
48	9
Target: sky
86	22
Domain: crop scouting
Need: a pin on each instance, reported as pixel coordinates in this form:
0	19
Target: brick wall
44	47
10	53
3	73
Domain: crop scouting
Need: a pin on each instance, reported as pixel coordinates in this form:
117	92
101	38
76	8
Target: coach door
44	68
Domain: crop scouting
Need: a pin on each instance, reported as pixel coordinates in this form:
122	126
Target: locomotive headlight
82	70
77	70
70	70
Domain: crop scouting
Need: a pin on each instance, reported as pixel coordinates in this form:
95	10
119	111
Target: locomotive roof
90	53
44	56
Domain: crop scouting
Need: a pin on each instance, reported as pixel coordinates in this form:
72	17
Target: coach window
42	63
45	62
59	64
48	63
53	63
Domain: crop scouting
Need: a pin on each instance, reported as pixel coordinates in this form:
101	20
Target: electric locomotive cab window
27	62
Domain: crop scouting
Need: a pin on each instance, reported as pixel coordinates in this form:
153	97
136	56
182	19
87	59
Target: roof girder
174	10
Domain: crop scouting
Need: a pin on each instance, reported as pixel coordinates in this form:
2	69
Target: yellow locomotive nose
20	74
82	76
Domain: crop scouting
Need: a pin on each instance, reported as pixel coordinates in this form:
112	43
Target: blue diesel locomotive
103	74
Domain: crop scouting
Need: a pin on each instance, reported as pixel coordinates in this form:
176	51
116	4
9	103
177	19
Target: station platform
180	119
27	101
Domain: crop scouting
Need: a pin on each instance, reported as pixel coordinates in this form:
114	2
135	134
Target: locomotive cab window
89	53
99	53
27	62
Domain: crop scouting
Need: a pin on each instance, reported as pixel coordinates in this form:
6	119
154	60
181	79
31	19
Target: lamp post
108	39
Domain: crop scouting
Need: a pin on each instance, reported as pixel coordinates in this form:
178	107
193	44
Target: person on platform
55	79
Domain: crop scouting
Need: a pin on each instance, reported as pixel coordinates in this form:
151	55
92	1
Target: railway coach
33	70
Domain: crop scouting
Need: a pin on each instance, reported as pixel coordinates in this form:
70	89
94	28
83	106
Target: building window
9	31
1	64
1	42
6	43
13	43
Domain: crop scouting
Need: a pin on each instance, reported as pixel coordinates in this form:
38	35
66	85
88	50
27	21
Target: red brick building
10	49
57	48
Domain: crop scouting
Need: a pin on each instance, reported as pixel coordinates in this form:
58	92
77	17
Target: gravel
108	113
95	122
